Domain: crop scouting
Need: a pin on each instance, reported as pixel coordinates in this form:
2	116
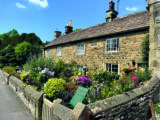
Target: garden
60	80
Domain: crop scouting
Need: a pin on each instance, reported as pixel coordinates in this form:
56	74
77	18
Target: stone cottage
110	45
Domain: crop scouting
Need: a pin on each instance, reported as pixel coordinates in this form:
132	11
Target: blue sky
43	17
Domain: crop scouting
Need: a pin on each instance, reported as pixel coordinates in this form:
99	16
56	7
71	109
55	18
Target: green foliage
63	70
143	75
8	57
22	51
103	75
10	37
157	108
145	50
9	70
23	74
77	29
55	87
34	63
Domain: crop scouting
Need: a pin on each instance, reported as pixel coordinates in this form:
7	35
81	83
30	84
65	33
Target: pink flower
138	86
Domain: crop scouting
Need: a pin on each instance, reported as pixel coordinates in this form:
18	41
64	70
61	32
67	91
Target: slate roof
125	23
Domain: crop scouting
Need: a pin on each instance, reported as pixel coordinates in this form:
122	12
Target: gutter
106	35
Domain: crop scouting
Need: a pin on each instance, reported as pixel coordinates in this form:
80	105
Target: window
112	68
47	52
80	49
59	51
112	45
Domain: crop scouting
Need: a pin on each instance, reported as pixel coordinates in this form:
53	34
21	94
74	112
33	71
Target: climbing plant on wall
145	50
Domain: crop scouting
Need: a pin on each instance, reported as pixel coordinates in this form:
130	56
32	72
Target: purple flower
101	84
138	86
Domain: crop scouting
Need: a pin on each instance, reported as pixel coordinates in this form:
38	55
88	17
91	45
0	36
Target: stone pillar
154	33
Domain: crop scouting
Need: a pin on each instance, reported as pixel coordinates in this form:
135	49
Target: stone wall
31	98
132	105
95	55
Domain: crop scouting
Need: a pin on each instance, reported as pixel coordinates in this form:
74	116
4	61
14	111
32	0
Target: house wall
95	55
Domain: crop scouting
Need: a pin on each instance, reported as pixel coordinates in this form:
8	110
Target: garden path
11	108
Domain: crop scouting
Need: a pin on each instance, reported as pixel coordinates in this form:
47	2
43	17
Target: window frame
112	67
60	51
110	46
80	53
48	52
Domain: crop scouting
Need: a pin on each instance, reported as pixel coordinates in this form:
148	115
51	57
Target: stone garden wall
132	105
31	98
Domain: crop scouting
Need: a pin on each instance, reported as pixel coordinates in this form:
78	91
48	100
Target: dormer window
112	45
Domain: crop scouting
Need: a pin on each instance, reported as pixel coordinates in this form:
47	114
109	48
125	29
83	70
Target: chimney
57	34
111	13
68	28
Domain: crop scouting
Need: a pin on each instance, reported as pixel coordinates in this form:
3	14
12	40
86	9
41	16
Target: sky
43	17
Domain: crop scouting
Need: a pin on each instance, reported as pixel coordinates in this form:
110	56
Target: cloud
41	3
131	9
19	5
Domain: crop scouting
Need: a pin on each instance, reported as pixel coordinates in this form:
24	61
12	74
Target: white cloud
131	8
41	3
19	5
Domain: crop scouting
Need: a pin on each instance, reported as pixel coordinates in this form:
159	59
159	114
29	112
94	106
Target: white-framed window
80	49
112	45
112	68
59	51
48	52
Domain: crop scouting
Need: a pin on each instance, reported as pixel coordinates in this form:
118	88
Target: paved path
11	108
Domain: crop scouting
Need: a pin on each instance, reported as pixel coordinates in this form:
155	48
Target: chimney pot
57	34
111	13
68	28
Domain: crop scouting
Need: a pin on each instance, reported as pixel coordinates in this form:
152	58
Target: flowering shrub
128	82
128	69
44	75
84	81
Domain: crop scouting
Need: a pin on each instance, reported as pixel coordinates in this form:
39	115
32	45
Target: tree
32	38
22	51
10	37
8	57
77	29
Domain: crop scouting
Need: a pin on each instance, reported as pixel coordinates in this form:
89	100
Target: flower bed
101	85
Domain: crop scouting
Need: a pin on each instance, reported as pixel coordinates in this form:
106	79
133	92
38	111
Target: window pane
59	51
80	49
112	44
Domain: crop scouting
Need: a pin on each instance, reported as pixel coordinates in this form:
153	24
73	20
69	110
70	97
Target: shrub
62	70
36	64
104	75
143	75
9	70
44	75
55	87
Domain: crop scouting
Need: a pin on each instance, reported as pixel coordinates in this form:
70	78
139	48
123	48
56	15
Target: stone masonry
95	55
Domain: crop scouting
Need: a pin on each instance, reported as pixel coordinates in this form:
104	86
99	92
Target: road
11	108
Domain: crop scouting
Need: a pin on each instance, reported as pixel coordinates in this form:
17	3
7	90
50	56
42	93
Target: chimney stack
111	13
68	28
57	34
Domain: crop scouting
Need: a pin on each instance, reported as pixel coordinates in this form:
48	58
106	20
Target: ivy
145	50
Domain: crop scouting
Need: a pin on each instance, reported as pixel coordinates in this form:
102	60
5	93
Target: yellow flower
79	73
